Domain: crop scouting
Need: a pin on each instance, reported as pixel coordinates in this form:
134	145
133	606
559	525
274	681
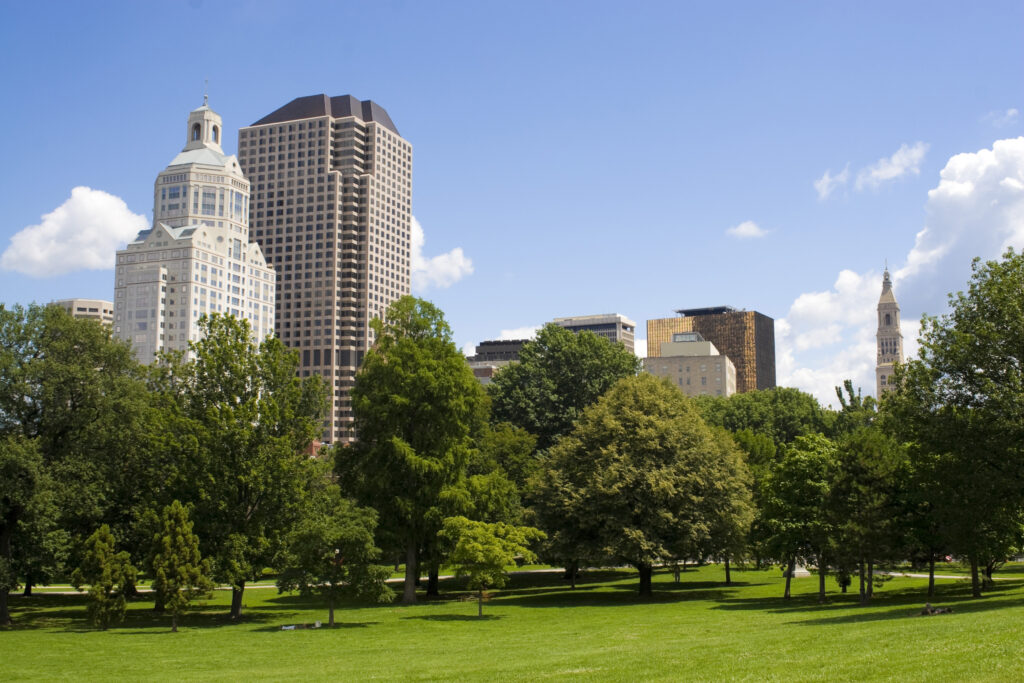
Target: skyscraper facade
746	337
889	337
197	258
332	210
612	326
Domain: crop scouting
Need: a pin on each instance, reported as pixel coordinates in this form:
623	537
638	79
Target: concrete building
89	309
332	210
694	365
889	337
197	258
493	355
617	328
746	337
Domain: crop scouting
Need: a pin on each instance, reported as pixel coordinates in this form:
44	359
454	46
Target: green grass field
538	629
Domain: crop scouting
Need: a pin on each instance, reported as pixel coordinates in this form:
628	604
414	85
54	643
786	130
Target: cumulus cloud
81	234
907	159
828	183
1001	119
527	332
977	209
746	230
440	271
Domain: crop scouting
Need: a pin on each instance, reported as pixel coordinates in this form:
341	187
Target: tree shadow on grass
453	617
338	626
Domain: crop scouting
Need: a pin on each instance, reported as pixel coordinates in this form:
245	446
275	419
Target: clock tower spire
890	339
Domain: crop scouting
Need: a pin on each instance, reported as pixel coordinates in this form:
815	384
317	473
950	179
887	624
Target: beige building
612	326
197	258
746	337
332	210
889	337
694	365
89	309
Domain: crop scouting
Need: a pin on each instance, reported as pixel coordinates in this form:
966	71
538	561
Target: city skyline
776	157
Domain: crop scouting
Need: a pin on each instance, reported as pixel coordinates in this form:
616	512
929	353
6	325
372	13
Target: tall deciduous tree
640	479
108	573
962	404
23	482
481	551
251	419
179	572
558	375
781	414
417	408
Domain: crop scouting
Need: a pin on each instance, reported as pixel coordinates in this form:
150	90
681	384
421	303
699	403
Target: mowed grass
539	629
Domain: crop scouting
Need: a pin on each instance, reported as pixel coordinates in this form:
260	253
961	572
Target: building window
196	133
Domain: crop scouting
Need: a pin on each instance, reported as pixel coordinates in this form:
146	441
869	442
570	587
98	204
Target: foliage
107	573
558	375
961	404
511	448
417	410
780	414
179	572
249	418
331	552
480	551
641	479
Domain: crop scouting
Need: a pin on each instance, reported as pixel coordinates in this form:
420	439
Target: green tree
558	375
331	552
107	574
640	479
961	405
417	410
179	572
781	414
249	419
22	483
511	448
795	499
481	551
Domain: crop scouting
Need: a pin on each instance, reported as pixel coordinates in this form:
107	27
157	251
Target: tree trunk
931	574
570	572
5	553
645	580
821	580
236	600
728	576
28	586
330	612
5	615
871	579
158	602
860	575
432	575
411	573
790	568
975	583
675	571
480	602
174	623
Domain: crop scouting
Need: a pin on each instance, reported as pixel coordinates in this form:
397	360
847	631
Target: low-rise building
693	364
612	326
89	309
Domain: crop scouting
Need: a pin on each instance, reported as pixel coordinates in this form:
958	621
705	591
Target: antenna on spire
206	87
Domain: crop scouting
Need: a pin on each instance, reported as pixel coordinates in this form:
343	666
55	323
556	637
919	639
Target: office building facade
746	337
332	210
197	258
694	365
611	326
889	338
89	309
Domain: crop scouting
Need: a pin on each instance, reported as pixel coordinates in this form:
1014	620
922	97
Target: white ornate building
890	339
197	258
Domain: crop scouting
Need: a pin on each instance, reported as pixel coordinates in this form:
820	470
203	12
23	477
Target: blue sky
586	157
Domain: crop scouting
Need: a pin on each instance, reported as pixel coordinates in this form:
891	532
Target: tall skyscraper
889	337
332	209
746	337
197	257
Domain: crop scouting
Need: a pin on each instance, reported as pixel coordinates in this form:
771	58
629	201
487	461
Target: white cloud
527	332
440	271
905	160
81	234
828	183
977	209
746	230
1001	119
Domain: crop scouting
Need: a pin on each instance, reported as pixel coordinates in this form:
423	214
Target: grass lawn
538	629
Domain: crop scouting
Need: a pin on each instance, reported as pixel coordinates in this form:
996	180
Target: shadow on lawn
453	617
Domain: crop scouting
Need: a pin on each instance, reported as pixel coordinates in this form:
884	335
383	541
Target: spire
206	88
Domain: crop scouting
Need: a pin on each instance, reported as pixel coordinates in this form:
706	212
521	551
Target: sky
570	158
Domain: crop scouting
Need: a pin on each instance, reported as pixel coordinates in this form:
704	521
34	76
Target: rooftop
313	106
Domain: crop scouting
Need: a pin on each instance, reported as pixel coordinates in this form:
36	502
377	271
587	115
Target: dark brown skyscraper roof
312	106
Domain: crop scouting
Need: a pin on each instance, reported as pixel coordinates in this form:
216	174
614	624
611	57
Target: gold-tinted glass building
747	338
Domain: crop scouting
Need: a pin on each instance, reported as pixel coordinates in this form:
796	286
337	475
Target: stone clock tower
890	339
